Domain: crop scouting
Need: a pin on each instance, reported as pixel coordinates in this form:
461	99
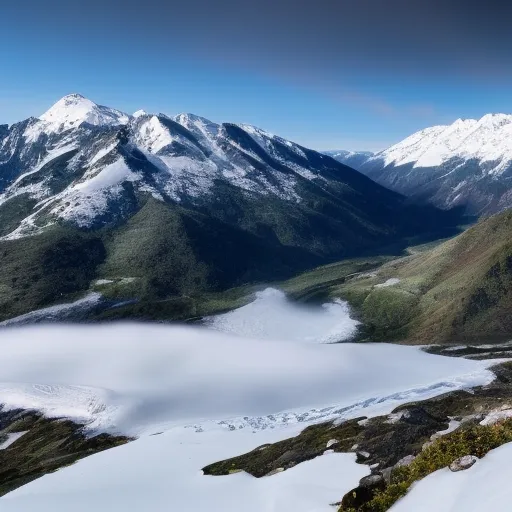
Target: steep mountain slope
176	205
460	290
354	159
466	164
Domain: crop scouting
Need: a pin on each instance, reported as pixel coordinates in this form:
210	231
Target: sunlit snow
486	139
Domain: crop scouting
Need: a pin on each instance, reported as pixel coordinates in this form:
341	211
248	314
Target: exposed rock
406	461
362	457
368	487
463	463
426	445
287	457
331	442
386	474
371	480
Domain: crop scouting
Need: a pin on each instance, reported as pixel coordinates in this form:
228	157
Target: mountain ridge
97	178
466	164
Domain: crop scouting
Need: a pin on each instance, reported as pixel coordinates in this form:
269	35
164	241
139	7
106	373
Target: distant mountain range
354	159
170	206
467	164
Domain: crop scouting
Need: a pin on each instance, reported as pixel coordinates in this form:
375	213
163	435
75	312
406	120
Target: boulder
288	457
362	457
371	481
463	463
368	486
386	474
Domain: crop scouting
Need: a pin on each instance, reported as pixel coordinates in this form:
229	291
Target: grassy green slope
53	267
459	290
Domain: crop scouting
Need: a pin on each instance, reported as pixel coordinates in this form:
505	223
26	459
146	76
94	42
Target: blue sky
303	73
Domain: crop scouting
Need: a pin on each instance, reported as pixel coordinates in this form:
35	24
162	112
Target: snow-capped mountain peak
467	164
139	113
74	109
486	139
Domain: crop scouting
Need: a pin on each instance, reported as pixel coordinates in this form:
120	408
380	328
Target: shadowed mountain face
176	205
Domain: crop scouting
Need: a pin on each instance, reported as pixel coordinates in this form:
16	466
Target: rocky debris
463	463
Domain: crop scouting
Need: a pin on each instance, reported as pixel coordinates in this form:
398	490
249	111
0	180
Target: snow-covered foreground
483	487
272	316
163	473
213	395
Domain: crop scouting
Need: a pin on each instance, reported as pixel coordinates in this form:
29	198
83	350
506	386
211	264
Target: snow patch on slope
58	312
84	201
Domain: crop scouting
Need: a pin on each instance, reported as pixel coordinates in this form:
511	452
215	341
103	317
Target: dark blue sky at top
357	74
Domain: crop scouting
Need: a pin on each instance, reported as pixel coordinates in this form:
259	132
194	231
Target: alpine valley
151	209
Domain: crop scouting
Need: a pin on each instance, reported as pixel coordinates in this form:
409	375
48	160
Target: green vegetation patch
13	211
46	269
475	440
46	446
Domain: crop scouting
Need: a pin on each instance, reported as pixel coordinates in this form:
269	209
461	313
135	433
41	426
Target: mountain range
467	164
169	206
